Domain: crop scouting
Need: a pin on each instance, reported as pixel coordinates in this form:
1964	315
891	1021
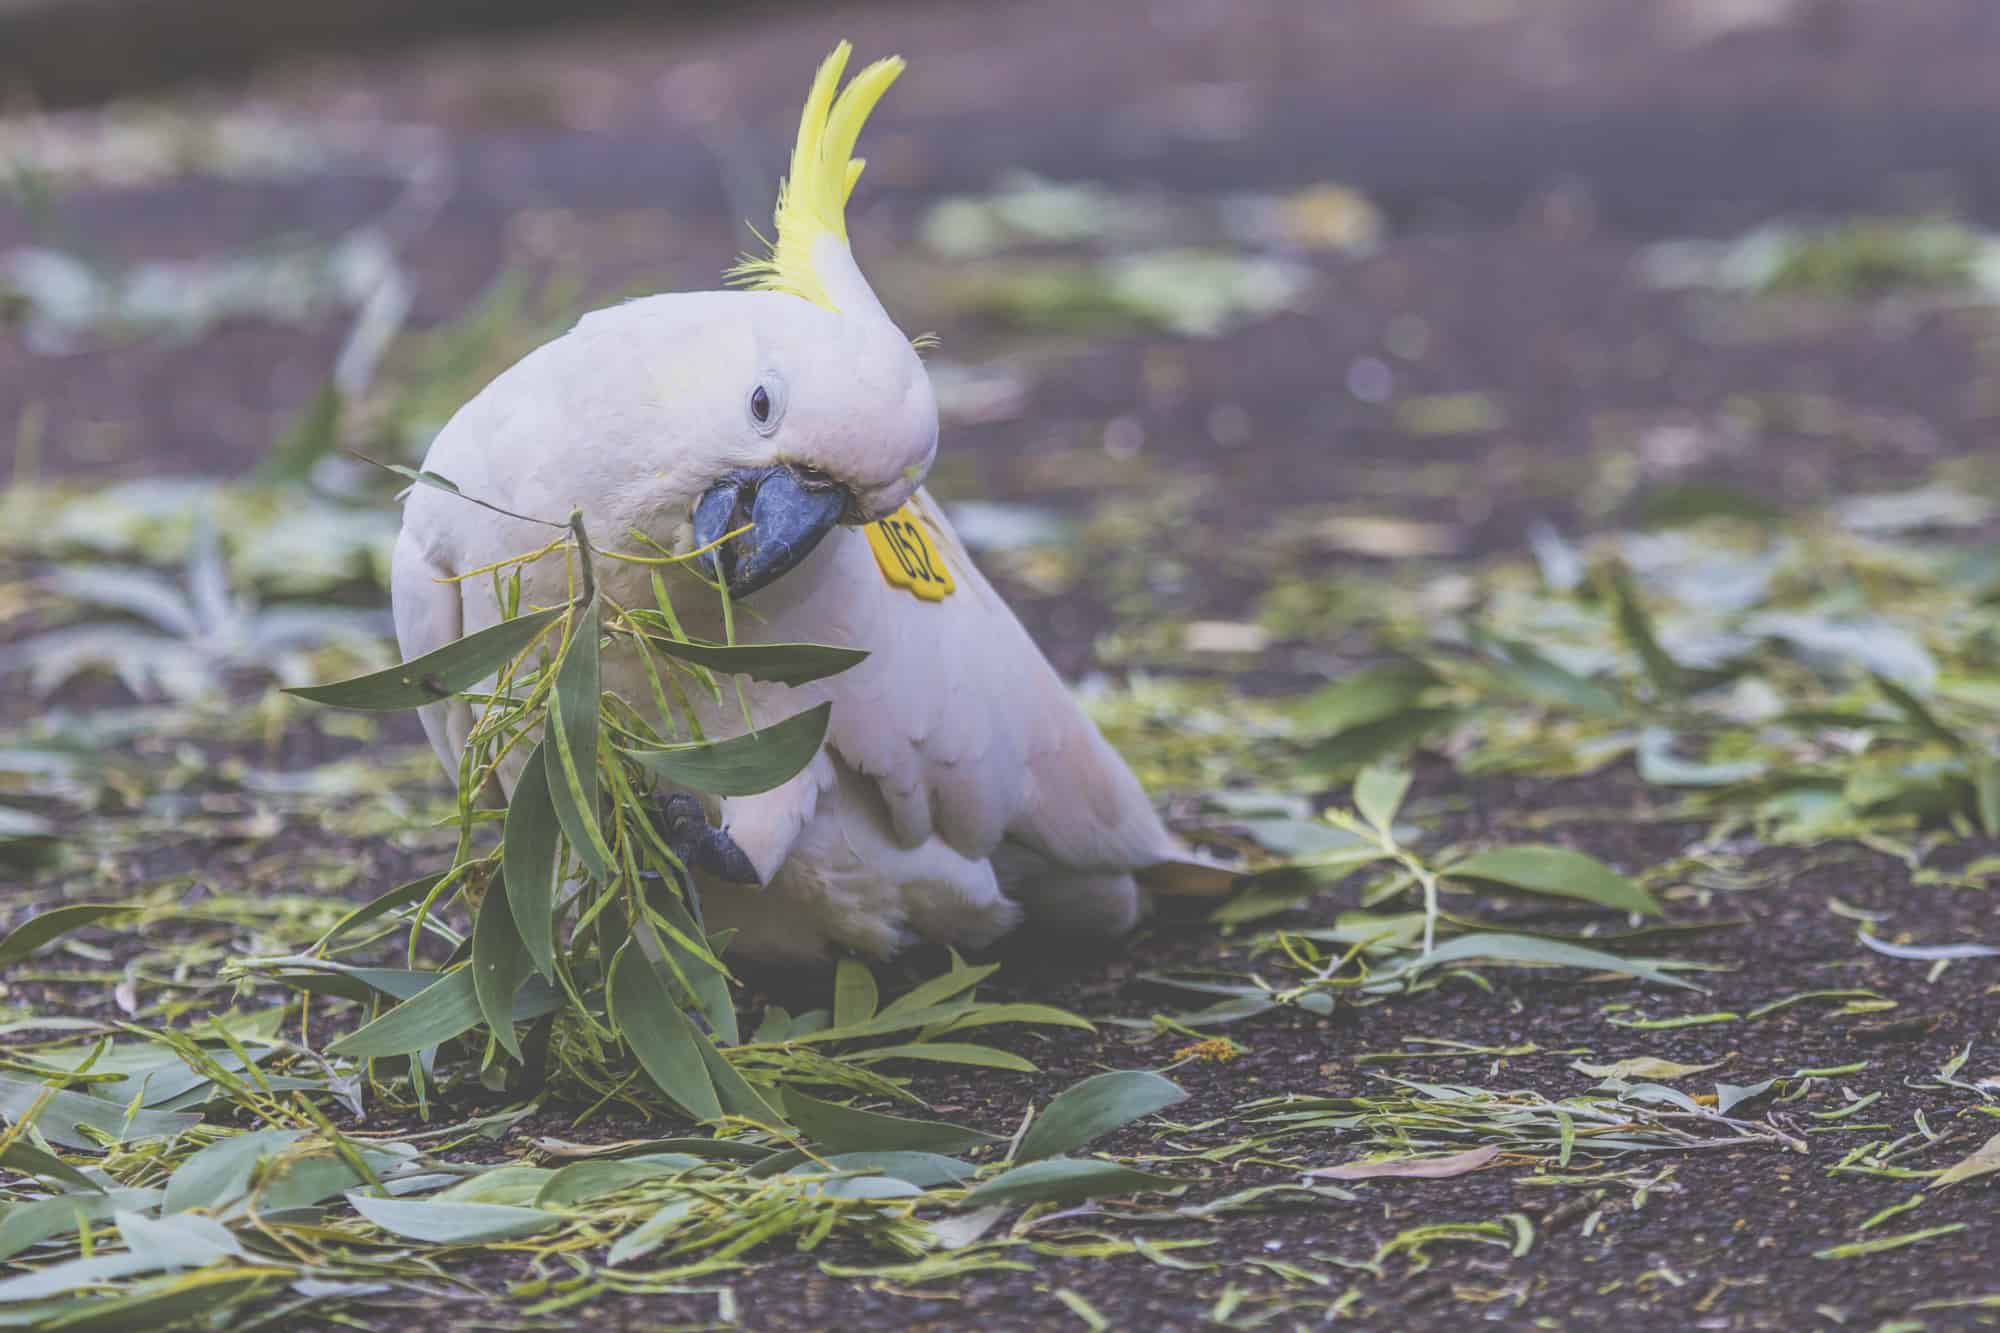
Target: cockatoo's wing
960	722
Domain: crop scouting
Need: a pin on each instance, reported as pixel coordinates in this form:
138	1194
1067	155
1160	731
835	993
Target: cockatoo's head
829	416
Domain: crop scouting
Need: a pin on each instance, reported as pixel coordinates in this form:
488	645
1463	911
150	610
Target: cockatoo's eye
767	403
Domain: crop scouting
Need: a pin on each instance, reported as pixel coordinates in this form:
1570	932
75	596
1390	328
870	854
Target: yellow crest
812	199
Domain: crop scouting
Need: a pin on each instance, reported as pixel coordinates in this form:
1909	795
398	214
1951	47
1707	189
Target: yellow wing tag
908	557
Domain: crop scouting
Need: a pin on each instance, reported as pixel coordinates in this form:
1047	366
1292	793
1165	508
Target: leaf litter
1829	683
222	1120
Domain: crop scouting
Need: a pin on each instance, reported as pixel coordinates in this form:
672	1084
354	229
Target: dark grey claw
701	846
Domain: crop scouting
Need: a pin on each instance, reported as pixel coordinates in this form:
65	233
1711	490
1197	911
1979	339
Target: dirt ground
1524	158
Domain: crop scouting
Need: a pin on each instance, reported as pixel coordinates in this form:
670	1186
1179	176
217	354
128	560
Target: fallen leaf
1643	1066
1984	1162
1415	1168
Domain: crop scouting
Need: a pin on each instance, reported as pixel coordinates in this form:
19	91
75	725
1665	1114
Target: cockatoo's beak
787	518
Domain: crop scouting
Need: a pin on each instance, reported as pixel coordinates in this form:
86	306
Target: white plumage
960	787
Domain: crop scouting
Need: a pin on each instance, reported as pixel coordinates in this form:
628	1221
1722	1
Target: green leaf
1657	763
25	1157
531	861
187	1241
739	1097
1065	1180
947	1053
1982	1163
220	1173
172	1301
742	765
415	890
1516	668
26	1224
311	436
854	993
711	986
1093	1108
1559	871
1916	712
939	989
1530	949
986	1015
925	1170
63	1115
839	1129
1399	732
439	674
1986	791
1635	627
662	1039
1378	795
452	1223
571	763
302	1180
43	927
444	1009
581	1181
653	1232
1371	695
500	963
780	663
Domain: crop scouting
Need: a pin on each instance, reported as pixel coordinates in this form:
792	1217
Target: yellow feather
812	199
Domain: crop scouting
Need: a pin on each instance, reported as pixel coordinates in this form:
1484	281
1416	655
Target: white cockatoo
959	787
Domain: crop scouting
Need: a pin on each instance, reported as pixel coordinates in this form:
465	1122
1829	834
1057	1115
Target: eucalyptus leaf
662	1039
220	1173
1370	695
166	1302
779	663
500	963
1065	1180
44	927
1395	734
742	765
1635	627
61	1115
444	1009
437	1223
26	1224
439	674
948	1053
939	989
925	1170
710	985
739	1097
29	1160
1560	871
1927	953
842	1129
1530	949
571	760
531	861
854	994
1378	795
1093	1108
581	1181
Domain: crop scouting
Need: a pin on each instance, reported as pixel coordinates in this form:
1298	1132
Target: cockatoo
959	788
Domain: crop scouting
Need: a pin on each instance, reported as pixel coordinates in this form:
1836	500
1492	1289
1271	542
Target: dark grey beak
787	516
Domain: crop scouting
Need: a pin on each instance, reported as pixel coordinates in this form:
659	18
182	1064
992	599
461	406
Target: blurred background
1231	293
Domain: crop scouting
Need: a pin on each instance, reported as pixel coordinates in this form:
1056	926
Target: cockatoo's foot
701	846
